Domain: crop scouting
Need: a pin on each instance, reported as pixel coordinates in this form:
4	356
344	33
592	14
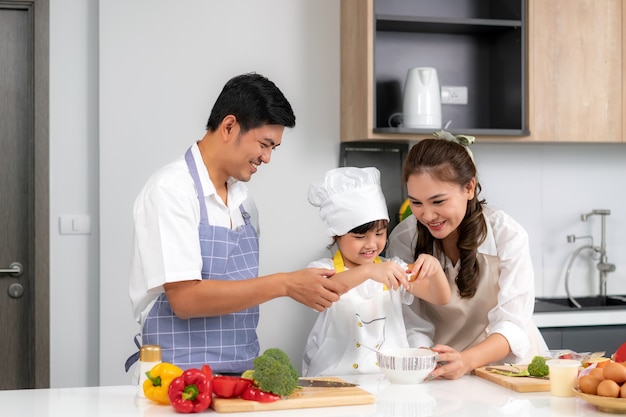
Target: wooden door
24	224
576	70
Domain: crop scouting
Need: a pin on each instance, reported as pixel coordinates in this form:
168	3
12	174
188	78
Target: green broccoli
273	372
538	367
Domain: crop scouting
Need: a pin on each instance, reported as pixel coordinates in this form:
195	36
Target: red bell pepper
255	394
230	386
191	392
620	354
206	369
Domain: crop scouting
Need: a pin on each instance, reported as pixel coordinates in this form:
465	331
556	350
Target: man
194	281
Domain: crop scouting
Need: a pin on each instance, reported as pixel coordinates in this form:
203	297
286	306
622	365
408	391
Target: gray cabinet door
586	339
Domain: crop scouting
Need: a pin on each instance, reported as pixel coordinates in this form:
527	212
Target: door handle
14	269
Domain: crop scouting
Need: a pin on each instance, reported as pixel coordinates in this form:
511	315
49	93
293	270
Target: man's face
253	148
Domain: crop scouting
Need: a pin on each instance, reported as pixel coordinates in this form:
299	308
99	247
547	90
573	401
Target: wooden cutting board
307	397
515	383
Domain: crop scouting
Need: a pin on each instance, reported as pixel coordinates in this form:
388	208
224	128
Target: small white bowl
406	365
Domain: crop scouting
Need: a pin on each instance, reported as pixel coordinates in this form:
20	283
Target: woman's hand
428	280
450	364
424	266
453	364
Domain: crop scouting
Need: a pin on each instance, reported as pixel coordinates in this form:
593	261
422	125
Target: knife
511	370
323	383
507	370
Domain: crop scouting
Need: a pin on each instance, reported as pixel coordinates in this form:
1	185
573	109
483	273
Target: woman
485	256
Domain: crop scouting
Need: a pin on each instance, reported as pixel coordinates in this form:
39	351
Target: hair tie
463	140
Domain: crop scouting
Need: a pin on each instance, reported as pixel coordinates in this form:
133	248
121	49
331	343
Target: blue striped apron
229	342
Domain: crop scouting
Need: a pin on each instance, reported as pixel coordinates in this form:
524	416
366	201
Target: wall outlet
453	95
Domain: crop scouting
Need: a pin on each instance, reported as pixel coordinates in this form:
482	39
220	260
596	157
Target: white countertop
468	396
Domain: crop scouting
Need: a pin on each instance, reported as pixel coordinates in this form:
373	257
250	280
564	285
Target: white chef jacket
366	315
166	246
507	266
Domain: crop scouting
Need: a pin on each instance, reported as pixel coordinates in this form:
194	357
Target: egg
412	277
597	372
588	384
608	388
615	372
622	391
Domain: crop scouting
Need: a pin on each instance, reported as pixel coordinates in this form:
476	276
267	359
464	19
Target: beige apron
463	323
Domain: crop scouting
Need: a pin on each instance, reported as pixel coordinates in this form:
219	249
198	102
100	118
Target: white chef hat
349	197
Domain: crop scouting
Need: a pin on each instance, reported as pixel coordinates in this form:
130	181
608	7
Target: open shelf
484	54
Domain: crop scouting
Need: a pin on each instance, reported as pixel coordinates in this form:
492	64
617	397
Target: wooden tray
606	404
307	397
515	383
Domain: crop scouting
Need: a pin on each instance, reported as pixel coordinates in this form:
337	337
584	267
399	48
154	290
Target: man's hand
311	287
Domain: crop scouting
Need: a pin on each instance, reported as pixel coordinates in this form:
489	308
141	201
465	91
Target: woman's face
439	205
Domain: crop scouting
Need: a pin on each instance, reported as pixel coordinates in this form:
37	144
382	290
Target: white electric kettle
422	99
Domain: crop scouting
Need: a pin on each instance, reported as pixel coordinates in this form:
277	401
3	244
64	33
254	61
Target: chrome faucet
600	212
603	266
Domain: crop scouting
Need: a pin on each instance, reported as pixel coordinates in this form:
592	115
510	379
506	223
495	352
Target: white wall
74	278
546	187
132	83
162	65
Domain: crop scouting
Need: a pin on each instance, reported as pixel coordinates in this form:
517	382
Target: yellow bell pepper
158	382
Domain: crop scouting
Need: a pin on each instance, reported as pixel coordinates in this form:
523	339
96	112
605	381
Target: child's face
359	249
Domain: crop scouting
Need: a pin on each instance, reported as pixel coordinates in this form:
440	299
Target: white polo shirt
166	245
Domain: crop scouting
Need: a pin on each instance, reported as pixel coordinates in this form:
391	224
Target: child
371	313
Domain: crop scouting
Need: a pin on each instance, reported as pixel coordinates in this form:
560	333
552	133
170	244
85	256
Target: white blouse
506	243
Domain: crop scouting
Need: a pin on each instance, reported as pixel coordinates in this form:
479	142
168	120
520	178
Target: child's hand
389	274
425	266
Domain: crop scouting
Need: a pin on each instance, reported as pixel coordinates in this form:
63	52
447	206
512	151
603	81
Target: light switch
75	224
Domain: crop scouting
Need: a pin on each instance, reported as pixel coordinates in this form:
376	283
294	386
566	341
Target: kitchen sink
611	302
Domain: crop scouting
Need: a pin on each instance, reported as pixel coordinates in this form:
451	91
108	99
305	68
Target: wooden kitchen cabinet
576	63
480	44
566	84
